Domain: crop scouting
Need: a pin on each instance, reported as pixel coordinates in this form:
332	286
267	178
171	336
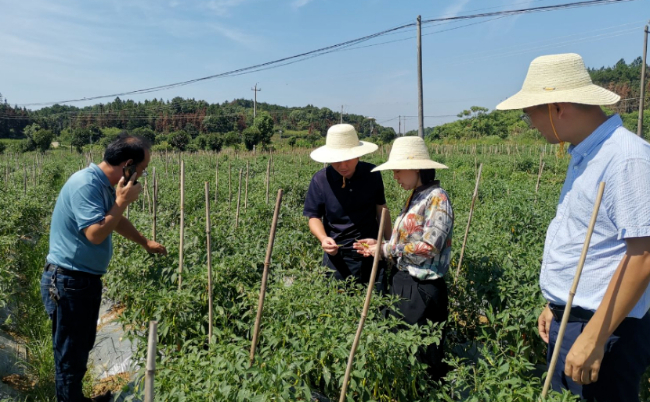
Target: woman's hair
427	176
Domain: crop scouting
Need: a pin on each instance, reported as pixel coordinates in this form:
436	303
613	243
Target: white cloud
236	35
223	7
300	3
455	8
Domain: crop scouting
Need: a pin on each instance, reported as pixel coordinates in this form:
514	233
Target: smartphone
127	172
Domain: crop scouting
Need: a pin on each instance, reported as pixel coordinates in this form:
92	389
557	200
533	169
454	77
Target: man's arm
388	225
327	243
628	284
126	229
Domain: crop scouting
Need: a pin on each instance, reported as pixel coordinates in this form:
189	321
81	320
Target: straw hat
409	153
342	144
558	78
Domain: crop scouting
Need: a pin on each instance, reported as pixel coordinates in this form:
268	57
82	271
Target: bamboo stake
25	178
207	235
155	205
539	176
216	183
469	221
366	306
265	275
229	184
241	171
151	362
246	196
572	292
268	175
182	235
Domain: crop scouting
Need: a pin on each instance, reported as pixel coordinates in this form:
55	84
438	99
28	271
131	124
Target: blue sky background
58	50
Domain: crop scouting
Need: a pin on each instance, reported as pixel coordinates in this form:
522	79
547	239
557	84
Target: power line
333	48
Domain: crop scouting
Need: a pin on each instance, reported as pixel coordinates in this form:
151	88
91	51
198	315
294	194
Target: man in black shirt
344	203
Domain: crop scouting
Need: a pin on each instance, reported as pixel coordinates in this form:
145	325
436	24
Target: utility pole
399	125
341	114
420	109
639	127
255	101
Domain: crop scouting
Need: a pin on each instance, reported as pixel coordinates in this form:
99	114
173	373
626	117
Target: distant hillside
189	115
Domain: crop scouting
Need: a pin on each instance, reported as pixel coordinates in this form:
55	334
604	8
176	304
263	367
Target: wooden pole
469	221
639	127
216	183
155	204
241	171
151	362
366	306
229	184
182	234
207	235
268	175
420	91
246	194
265	275
539	175
572	292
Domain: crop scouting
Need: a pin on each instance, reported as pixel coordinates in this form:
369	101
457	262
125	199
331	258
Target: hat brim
588	95
410	164
327	154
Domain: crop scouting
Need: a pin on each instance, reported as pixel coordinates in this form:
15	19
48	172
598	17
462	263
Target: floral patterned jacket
421	239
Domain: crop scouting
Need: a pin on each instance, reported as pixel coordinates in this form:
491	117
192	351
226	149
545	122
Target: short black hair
427	176
126	147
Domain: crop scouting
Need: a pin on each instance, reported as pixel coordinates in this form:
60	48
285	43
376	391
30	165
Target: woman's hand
366	247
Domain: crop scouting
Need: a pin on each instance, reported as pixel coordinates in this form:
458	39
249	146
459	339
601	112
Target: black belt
69	272
577	314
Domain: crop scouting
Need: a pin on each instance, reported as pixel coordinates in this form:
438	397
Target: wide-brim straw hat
409	153
558	78
342	144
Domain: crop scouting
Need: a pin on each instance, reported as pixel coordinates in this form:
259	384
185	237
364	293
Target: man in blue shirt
88	210
605	349
344	203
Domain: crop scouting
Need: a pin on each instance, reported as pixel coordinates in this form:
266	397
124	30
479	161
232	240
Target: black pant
627	356
423	301
348	263
72	301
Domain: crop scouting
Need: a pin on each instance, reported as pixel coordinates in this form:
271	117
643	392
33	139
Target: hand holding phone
127	172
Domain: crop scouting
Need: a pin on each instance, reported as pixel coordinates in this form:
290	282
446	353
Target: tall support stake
366	306
154	179
229	184
207	235
420	107
572	292
151	361
216	183
182	235
265	275
639	127
268	177
241	171
246	192
469	221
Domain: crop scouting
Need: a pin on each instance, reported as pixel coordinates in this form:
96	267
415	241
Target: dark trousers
349	263
74	322
627	355
423	301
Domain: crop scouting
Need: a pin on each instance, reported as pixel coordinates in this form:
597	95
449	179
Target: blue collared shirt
622	160
84	200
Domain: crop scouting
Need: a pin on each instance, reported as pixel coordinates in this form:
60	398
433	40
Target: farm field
308	322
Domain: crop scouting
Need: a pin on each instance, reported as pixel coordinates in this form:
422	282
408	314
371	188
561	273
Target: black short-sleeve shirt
348	212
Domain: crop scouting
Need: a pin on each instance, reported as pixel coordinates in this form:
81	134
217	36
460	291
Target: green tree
264	124
179	140
3	146
252	136
145	132
215	142
42	139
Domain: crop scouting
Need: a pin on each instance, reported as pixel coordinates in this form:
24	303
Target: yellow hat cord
560	152
343	186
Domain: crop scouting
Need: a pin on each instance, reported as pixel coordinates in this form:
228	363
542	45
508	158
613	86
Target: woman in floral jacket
420	246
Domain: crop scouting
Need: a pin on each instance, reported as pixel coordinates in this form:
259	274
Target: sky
54	50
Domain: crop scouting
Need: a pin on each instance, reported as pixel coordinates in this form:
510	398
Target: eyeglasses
526	118
144	173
